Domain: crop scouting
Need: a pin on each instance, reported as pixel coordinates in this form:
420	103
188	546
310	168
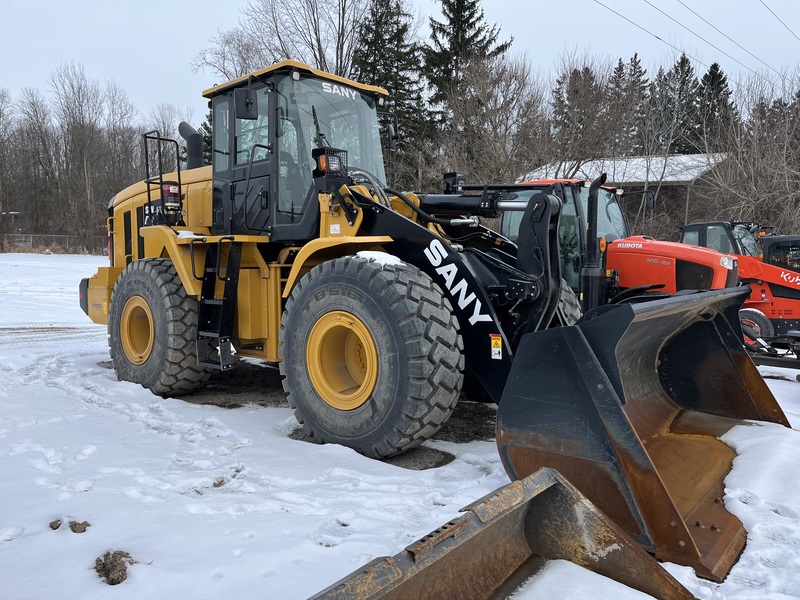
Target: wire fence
61	244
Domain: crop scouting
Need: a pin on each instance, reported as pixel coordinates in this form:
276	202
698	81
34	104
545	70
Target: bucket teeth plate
502	540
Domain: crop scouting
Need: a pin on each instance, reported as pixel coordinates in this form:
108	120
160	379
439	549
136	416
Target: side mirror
245	105
280	129
394	137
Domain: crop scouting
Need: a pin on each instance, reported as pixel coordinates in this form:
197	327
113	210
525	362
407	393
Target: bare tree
760	178
234	53
164	119
122	138
6	124
37	152
319	33
498	121
79	108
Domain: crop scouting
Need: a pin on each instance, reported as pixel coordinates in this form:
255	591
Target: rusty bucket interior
502	540
628	405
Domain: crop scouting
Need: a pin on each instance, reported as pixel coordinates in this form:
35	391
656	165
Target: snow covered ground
214	502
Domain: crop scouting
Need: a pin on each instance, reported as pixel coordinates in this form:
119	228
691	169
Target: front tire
152	329
371	355
758	321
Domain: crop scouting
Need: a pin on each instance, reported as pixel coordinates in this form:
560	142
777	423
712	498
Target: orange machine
603	263
641	260
770	265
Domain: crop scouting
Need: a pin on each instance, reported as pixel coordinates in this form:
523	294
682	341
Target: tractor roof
289	65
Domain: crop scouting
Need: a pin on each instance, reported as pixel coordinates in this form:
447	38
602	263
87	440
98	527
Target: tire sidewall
139	280
766	330
346	292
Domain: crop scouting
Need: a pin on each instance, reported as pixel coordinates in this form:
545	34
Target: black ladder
215	319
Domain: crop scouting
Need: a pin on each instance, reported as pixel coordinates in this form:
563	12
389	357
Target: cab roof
289	65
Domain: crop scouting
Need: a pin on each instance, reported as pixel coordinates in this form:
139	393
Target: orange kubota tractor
770	265
603	263
291	248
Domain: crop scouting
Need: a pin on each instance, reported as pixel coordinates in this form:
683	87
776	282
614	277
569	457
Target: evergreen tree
461	38
387	58
636	93
717	112
685	89
673	123
626	96
577	107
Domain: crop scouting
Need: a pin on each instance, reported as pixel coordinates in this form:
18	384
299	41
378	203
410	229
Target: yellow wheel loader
291	248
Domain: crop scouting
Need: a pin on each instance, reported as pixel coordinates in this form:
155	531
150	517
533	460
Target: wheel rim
342	360
136	330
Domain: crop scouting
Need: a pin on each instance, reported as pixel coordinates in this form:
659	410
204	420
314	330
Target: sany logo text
339	90
436	253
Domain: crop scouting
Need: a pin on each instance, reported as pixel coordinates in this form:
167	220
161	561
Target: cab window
691	236
569	242
253	131
220	119
747	242
717	238
785	255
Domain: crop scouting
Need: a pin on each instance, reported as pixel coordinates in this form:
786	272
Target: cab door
242	165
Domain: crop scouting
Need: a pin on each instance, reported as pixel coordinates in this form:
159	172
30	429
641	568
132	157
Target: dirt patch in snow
249	382
112	567
74	526
79	527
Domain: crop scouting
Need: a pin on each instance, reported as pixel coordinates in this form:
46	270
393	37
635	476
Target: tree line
462	99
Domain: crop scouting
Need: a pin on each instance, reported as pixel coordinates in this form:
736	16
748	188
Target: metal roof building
633	170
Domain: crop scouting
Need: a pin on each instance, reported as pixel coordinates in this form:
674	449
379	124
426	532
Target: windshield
785	254
746	241
610	220
315	113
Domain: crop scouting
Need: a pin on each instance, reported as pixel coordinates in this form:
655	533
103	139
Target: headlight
728	262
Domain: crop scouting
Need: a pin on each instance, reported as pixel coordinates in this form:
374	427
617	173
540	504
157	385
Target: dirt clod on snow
77	527
112	567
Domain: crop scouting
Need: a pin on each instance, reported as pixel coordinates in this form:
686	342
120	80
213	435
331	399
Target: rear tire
152	329
371	355
758	321
569	307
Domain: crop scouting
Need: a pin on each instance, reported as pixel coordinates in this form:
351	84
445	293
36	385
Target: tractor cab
572	230
782	251
727	237
281	136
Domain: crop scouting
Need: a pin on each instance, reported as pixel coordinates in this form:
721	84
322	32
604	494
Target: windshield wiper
319	138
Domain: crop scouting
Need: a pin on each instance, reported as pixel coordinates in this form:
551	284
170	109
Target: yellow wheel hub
342	360
136	330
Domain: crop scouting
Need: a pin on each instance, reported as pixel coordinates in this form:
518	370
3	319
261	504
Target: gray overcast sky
147	46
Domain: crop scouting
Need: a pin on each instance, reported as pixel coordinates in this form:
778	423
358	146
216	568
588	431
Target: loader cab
782	251
722	236
572	228
265	128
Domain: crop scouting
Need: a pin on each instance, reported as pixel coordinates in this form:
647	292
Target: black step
216	315
215	356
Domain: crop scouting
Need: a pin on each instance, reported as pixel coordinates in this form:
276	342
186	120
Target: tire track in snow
204	448
206	469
